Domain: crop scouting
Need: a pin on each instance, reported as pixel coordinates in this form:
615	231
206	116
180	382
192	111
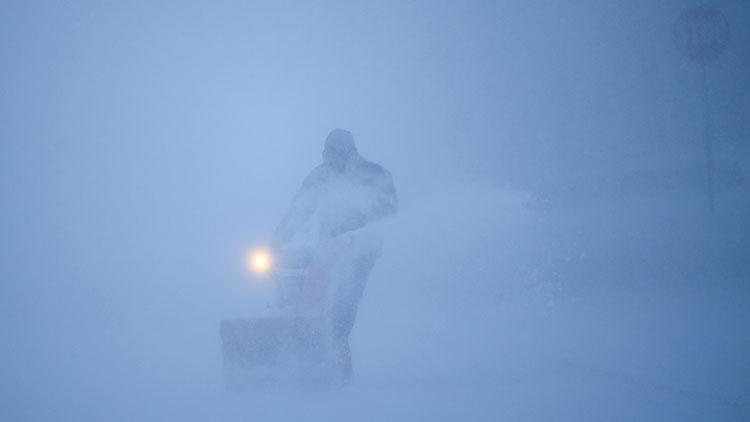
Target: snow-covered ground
484	308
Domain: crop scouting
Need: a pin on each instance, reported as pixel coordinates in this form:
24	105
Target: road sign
701	33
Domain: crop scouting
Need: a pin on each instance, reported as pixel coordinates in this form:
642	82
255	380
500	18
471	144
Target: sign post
702	34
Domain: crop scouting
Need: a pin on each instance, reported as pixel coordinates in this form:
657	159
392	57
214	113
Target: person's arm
303	206
386	202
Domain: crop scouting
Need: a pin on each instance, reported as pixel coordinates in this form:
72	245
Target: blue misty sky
526	93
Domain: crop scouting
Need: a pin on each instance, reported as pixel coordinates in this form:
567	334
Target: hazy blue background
554	257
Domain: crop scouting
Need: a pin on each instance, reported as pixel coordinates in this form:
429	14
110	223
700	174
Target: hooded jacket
347	191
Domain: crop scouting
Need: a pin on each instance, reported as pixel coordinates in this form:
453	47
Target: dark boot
342	361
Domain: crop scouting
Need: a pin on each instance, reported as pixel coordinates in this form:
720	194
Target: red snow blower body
292	347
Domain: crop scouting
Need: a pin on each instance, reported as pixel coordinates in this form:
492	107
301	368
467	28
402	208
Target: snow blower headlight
259	262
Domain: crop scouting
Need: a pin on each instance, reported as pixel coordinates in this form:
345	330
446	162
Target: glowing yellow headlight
259	261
